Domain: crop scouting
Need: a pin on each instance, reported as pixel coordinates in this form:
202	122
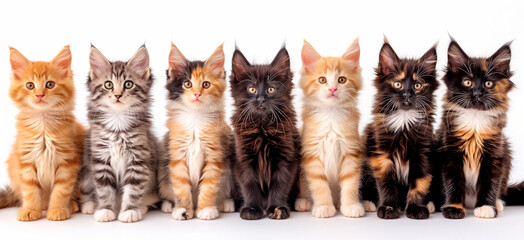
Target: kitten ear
177	61
99	64
388	60
240	63
429	59
281	60
216	62
309	57
19	63
139	63
457	58
500	60
63	59
352	54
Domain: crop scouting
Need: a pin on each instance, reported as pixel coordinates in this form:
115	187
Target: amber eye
467	83
342	80
30	85
108	85
128	84
50	84
488	84
188	84
418	86
252	90
270	90
206	84
397	85
322	80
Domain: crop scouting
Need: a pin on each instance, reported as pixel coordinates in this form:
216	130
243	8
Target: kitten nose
197	95
407	95
332	90
118	96
477	93
40	95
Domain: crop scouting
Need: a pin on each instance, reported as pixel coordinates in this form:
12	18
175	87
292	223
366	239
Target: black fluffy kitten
267	154
475	154
399	140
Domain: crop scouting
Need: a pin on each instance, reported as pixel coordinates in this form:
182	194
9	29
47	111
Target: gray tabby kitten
121	153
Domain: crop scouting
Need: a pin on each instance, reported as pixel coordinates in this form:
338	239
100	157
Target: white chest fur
403	119
119	156
475	120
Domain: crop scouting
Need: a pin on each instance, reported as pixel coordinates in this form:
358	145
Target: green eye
108	85
188	84
128	84
30	85
50	84
206	84
322	80
342	80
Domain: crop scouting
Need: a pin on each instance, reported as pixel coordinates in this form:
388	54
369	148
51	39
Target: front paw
58	214
452	212
353	211
369	206
228	206
251	213
88	207
105	215
324	211
388	212
167	206
417	212
303	205
278	212
207	213
485	211
74	206
182	214
26	214
129	216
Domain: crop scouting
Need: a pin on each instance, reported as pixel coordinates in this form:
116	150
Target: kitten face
262	89
119	86
405	84
196	84
42	85
478	83
331	80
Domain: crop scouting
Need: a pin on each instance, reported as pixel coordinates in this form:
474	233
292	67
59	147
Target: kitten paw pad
388	212
499	205
453	212
353	211
26	214
485	211
167	206
324	211
129	216
417	212
303	205
251	213
207	213
88	207
105	215
58	214
431	207
228	206
278	213
369	206
182	214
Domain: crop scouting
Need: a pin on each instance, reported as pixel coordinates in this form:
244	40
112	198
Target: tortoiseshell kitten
475	153
399	139
267	146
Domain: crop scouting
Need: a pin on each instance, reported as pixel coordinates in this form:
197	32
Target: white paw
431	207
485	211
369	206
353	210
208	213
88	208
130	216
167	206
324	211
105	215
499	205
303	205
181	214
228	206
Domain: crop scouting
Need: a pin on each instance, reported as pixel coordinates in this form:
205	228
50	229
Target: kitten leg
415	201
384	171
349	180
63	186
454	182
209	186
489	192
136	179
31	191
282	180
251	194
318	185
181	185
105	188
303	202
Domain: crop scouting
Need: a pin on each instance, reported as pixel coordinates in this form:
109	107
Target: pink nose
197	95
332	90
40	95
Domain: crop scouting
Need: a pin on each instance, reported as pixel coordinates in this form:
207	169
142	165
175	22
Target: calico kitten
331	147
196	170
46	156
267	145
399	140
475	153
121	153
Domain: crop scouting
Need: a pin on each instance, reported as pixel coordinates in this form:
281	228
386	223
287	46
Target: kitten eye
108	85
206	84
30	85
128	84
467	83
252	90
50	84
322	80
342	80
397	85
188	84
489	84
418	86
270	90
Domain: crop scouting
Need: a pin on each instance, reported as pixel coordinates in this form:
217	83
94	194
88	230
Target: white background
40	29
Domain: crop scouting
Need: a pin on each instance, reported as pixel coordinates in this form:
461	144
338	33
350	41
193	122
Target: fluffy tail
8	198
515	194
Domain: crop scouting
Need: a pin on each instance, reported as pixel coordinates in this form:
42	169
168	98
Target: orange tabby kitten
45	160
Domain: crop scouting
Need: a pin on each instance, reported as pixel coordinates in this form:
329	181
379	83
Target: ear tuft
99	64
388	60
352	54
239	63
282	60
457	58
19	63
309	57
63	59
139	63
500	60
177	61
429	59
215	62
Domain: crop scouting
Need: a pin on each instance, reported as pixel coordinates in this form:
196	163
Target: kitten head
120	86
478	83
262	90
42	85
196	84
331	80
405	84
